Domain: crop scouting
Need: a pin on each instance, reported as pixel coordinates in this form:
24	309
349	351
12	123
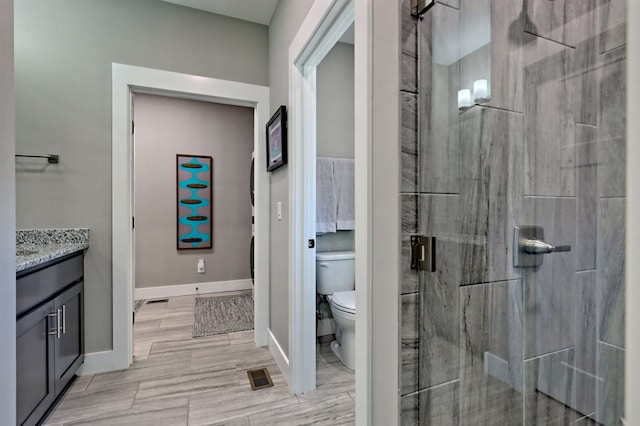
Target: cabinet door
69	348
34	364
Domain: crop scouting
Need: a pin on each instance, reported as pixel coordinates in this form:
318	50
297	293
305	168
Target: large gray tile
409	136
549	120
240	421
178	332
614	24
611	237
409	282
564	21
440	405
186	344
550	289
187	384
613	125
610	385
338	410
165	366
438	312
586	421
241	337
550	389
246	355
587	199
95	403
586	322
162	413
177	319
585	74
224	405
491	357
409	341
491	194
331	379
409	47
438	105
81	383
409	409
453	3
547	19
586	393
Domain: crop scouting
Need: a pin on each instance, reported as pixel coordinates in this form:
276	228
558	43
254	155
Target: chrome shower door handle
536	246
529	244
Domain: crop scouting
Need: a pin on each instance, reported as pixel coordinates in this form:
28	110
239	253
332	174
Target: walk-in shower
513	159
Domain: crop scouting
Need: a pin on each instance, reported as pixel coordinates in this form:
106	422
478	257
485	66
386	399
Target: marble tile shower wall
484	342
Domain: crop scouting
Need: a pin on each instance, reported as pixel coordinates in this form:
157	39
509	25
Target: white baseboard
97	362
190	289
281	358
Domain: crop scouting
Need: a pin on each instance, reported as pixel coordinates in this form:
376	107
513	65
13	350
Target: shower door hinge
423	253
420	7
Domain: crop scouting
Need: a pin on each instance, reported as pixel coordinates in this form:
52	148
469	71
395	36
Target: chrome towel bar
51	158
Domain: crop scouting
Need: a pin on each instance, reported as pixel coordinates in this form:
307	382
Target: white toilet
335	278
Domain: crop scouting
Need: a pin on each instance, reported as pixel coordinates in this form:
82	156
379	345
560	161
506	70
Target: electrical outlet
279	210
201	266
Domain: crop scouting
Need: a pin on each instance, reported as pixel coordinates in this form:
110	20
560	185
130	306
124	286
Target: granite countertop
37	246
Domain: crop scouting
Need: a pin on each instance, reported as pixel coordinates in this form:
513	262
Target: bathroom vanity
49	321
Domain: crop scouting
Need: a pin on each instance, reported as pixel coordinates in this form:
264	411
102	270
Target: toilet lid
345	301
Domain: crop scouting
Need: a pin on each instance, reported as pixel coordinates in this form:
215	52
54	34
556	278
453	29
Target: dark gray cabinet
50	335
34	364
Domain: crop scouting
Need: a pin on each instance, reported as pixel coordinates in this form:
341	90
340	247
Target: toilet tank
335	271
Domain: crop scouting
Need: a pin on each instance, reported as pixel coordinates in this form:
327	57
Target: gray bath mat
223	314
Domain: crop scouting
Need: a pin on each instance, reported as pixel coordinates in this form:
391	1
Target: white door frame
127	79
324	25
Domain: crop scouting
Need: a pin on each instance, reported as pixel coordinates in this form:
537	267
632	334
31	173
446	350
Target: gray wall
335	126
335	110
168	126
64	51
285	22
7	220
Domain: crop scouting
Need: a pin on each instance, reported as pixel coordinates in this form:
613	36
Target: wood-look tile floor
178	380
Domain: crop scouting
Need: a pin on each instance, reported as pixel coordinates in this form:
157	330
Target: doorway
165	127
126	81
324	26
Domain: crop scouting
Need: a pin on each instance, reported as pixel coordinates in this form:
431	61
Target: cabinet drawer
39	286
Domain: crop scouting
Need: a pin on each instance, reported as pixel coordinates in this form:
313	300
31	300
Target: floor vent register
259	379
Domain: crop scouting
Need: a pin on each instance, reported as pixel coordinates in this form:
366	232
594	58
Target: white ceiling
259	11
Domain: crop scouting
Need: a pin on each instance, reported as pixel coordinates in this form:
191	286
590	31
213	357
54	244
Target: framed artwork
277	139
194	201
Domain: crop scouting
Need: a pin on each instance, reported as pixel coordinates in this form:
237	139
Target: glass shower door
514	160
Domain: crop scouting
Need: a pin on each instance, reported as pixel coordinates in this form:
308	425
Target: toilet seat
344	301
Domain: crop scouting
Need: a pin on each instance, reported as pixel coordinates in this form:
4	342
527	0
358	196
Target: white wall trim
632	274
97	362
384	207
280	356
323	26
191	289
363	54
125	80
